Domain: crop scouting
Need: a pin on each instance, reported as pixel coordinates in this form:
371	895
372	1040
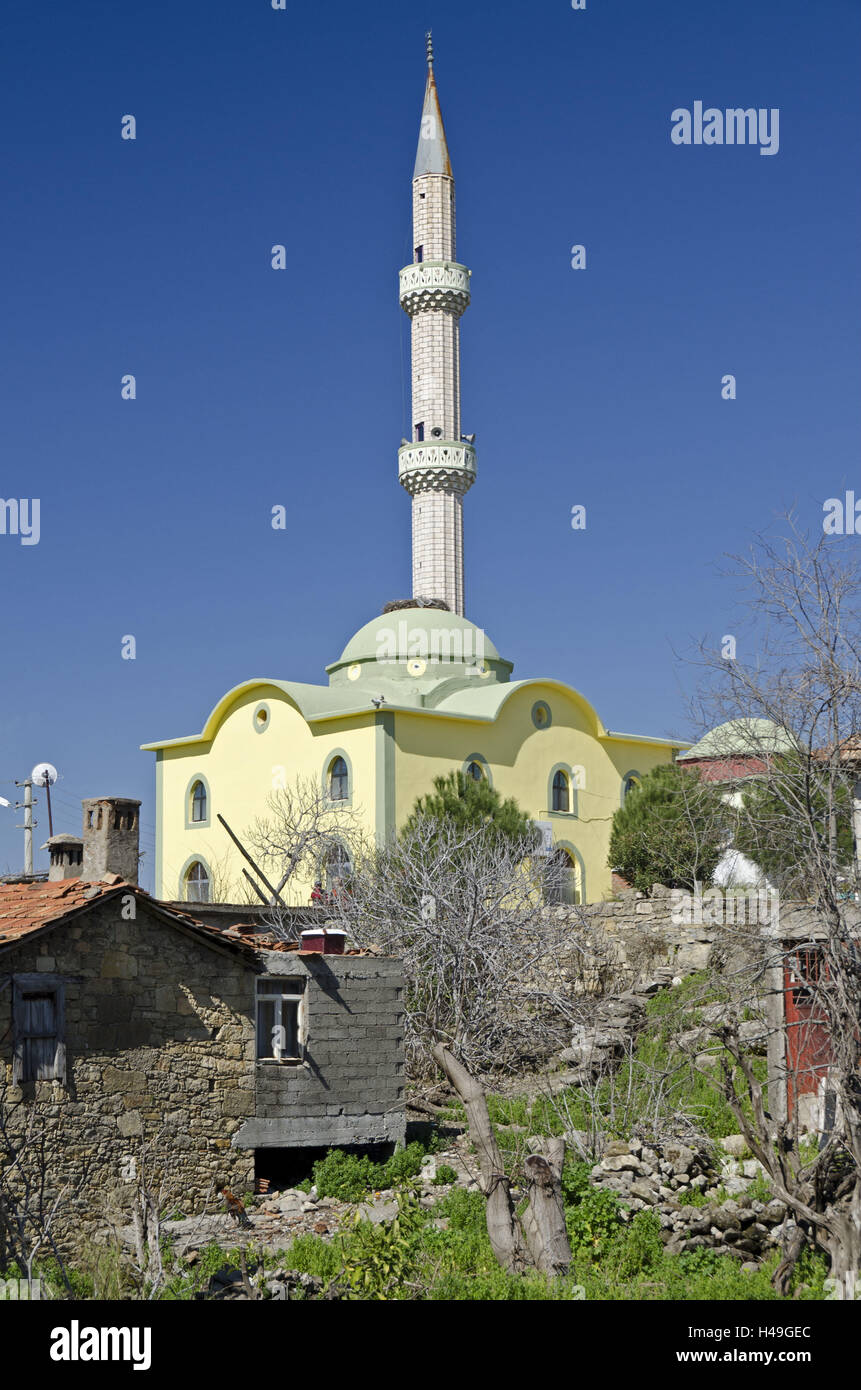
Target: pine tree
466	801
672	829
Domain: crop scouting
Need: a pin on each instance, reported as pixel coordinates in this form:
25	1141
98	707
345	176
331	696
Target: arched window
196	883
475	771
561	798
630	782
198	802
564	883
339	780
337	868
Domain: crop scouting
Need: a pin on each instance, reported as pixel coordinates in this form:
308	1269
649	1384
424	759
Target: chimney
67	853
111	835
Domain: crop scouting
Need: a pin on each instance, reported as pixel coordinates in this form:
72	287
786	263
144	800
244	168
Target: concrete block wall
349	1089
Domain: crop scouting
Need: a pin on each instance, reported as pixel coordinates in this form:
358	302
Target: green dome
741	738
416	644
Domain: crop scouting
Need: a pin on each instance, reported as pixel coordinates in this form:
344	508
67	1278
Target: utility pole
27	807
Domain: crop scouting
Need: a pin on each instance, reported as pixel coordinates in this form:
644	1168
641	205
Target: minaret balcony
443	466
434	285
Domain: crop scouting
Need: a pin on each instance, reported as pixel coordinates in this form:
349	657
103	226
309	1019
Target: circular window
261	718
541	716
354	671
417	667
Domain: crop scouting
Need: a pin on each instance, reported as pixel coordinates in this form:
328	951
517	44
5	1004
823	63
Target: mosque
419	690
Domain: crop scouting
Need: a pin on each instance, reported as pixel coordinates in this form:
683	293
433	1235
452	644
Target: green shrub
497	1286
379	1260
639	1247
348	1177
576	1182
594	1221
466	1211
444	1175
760	1189
311	1255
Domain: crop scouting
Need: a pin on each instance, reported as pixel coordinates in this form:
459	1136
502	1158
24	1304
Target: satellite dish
44	773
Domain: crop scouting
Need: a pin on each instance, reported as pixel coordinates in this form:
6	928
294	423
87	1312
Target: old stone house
130	1030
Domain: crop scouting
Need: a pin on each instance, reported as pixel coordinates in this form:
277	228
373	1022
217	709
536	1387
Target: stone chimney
67	853
111	836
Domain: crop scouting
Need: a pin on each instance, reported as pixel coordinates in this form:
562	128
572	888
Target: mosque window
561	798
420	432
475	771
198	802
196	883
541	716
339	780
419	254
630	783
564	882
337	869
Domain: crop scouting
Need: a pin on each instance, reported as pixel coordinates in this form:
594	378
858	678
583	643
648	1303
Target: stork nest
398	603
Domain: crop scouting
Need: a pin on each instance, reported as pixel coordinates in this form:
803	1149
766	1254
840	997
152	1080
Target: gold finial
429	45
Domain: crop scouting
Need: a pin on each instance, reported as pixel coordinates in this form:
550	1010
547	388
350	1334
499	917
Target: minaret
438	465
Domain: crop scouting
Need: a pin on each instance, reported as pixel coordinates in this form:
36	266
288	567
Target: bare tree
305	835
798	700
484	954
33	1207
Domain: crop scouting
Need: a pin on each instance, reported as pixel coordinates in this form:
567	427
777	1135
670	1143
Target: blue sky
255	387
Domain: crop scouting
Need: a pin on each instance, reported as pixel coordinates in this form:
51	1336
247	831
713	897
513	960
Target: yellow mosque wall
259	741
521	759
241	766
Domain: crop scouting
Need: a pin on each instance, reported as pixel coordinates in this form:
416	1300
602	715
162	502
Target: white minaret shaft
437	466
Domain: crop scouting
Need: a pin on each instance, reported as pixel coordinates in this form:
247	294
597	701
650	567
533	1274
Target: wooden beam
259	891
276	897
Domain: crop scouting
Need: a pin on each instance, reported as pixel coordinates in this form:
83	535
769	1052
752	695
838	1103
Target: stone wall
161	1052
632	936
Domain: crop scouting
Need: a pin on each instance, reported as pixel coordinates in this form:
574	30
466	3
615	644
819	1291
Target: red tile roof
32	907
26	907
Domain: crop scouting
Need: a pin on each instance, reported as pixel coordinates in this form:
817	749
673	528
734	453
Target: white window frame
289	995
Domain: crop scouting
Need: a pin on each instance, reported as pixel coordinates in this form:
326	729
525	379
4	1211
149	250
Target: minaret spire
438	466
